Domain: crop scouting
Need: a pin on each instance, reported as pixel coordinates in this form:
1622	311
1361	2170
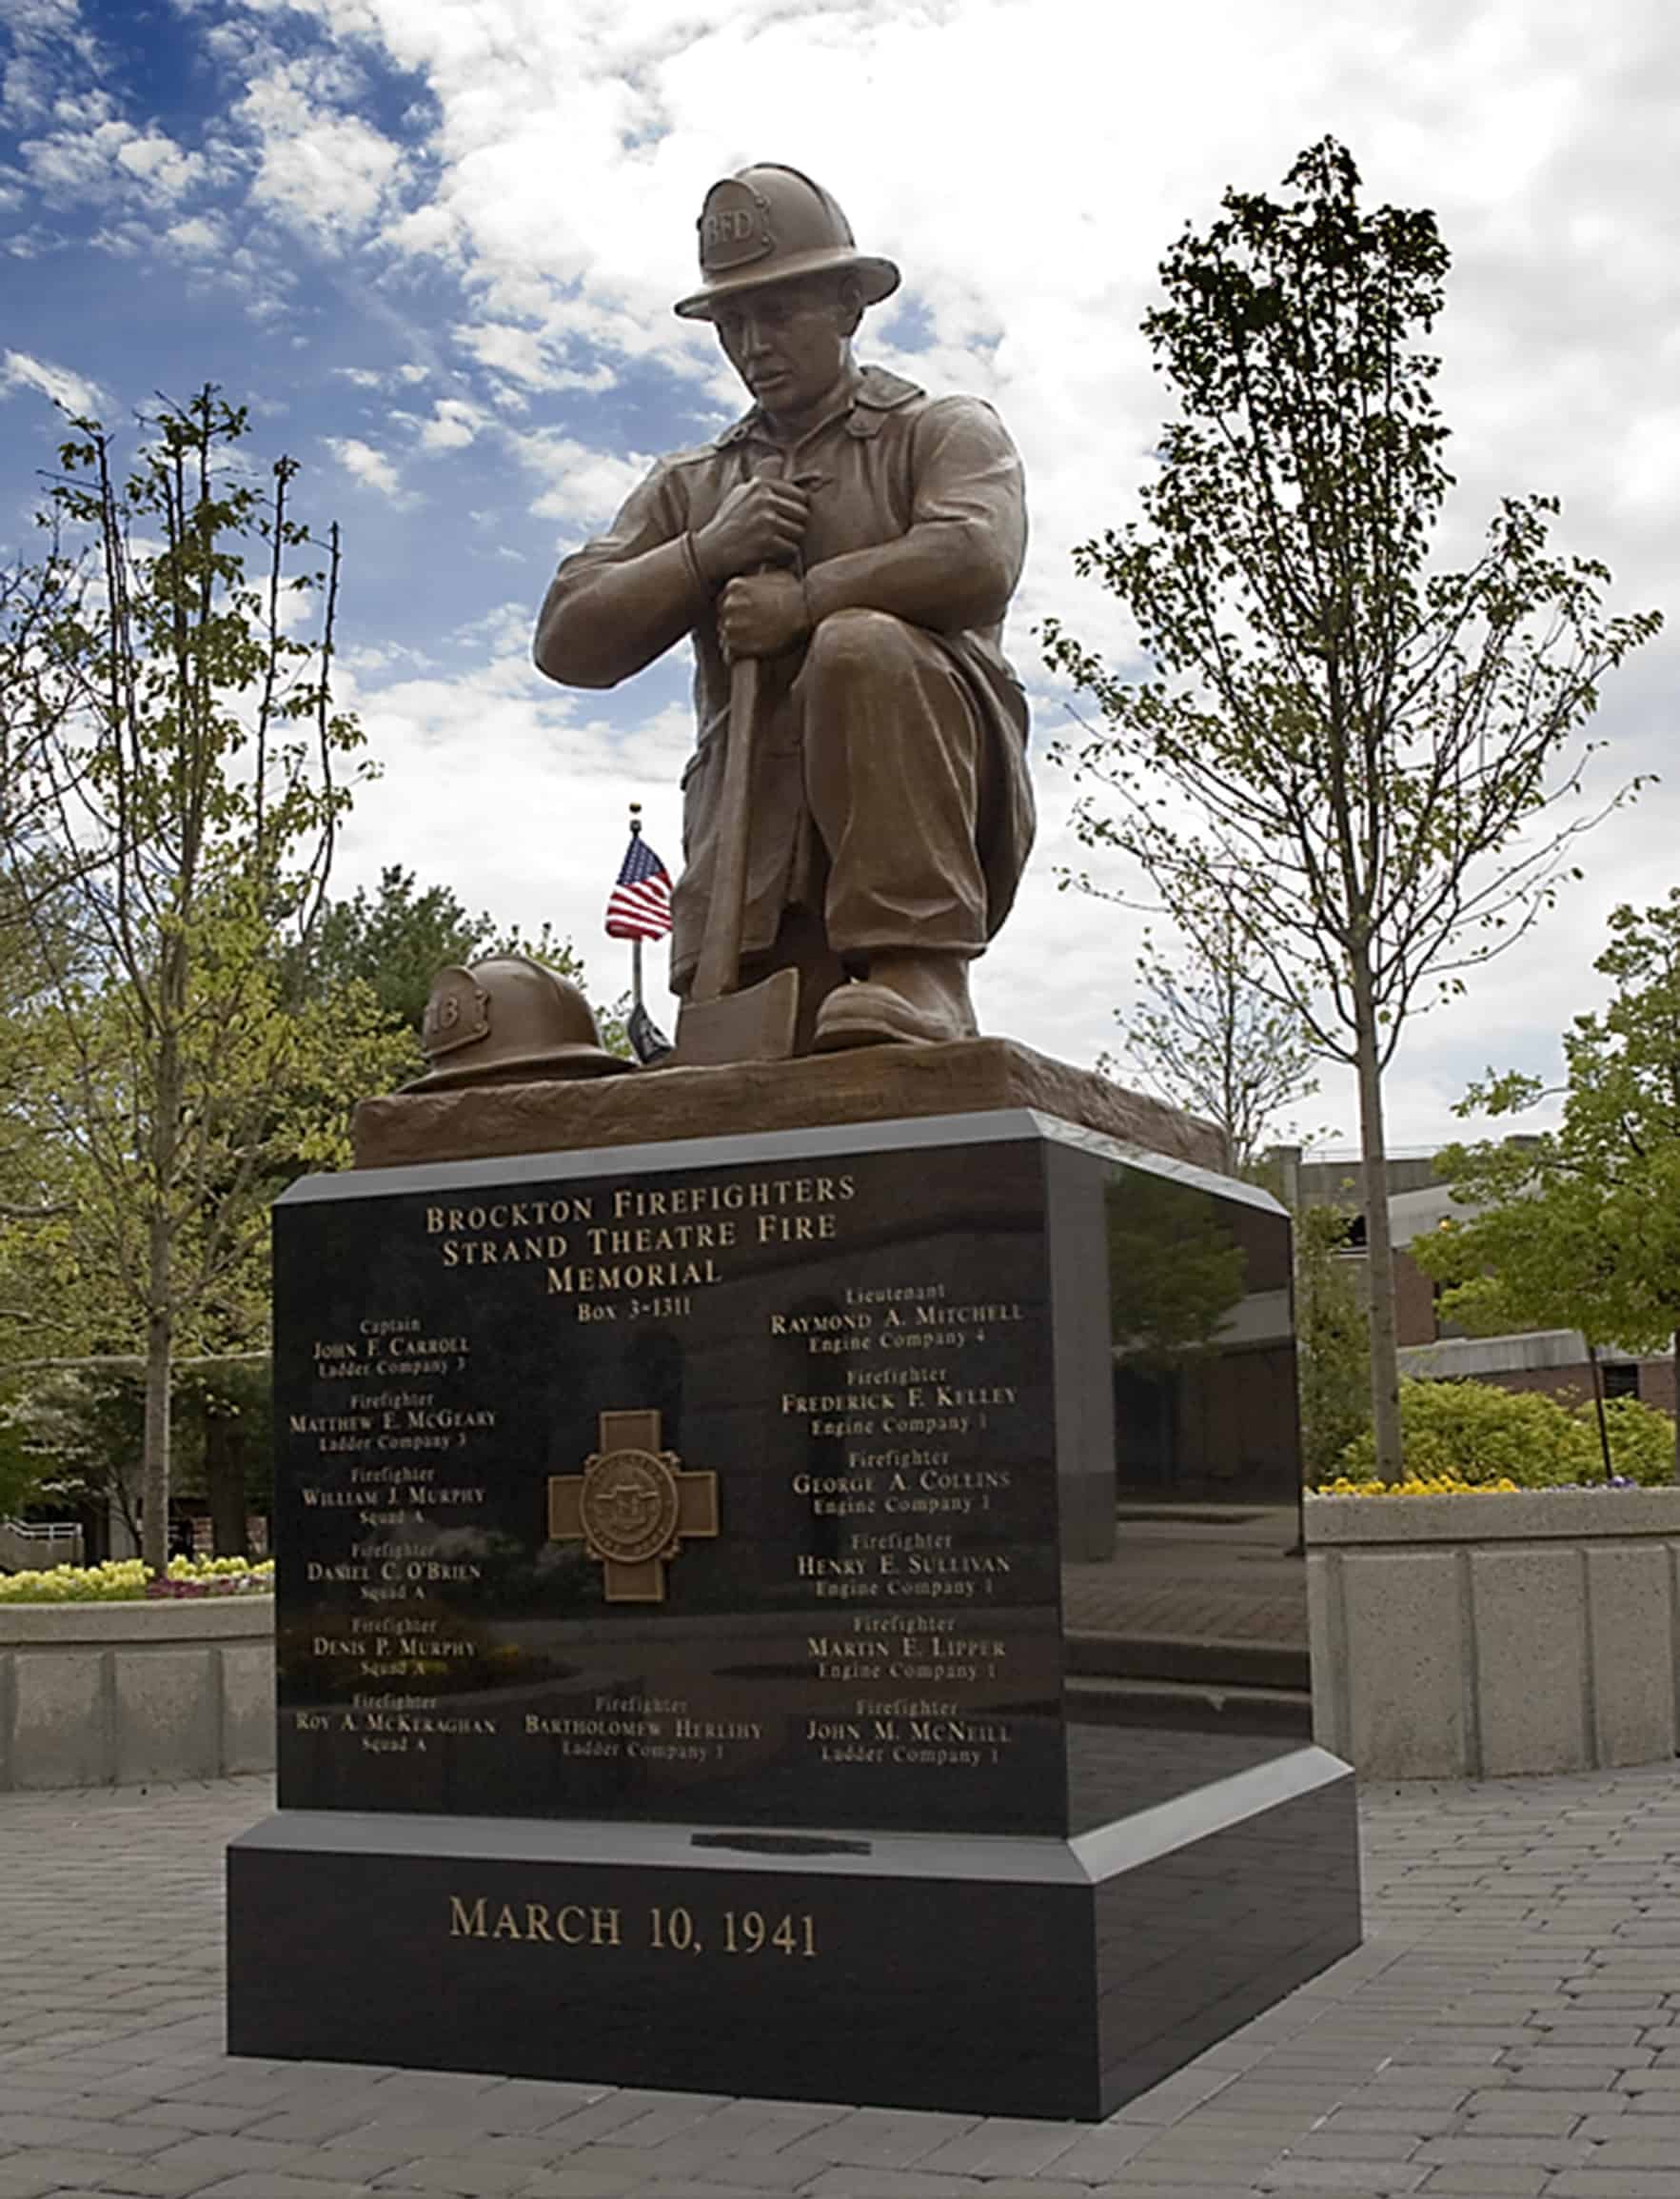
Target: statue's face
787	342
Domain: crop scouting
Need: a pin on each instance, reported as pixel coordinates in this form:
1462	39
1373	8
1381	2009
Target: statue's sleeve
624	597
968	476
956	566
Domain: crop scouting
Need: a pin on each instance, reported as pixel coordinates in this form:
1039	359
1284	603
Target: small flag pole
639	909
636	943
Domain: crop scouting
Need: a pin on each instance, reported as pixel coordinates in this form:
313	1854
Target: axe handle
720	956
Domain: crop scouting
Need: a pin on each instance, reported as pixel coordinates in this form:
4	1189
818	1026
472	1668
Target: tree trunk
224	1472
154	1460
1597	1366
1379	1250
160	1295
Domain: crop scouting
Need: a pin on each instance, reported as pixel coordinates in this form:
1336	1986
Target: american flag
640	904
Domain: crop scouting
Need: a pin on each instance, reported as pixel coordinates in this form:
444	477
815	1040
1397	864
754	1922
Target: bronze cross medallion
631	1507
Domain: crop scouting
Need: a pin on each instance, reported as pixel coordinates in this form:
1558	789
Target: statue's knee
850	642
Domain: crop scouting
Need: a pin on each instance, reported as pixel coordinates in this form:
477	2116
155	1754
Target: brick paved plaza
1512	2027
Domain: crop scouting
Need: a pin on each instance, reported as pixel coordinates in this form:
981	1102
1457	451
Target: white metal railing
31	1547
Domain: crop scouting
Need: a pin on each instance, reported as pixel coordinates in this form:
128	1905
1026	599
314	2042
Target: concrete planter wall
100	1694
1485	1636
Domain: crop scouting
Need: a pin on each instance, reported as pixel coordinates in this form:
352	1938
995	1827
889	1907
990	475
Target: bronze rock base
872	1084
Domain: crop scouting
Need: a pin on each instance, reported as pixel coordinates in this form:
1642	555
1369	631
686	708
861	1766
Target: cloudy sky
434	243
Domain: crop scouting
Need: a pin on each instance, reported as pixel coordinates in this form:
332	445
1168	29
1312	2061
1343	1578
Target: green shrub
1641	1441
1480	1433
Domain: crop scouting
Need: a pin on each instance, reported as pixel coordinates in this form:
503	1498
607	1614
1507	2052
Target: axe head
756	1025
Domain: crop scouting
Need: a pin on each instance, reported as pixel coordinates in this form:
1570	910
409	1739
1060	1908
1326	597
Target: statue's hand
760	523
761	614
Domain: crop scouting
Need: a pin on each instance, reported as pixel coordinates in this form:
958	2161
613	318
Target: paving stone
1370	2179
84	2136
1035	2188
477	2178
689	2191
568	2184
580	2127
1520	2101
610	2160
1522	2115
884	2138
1633	2149
85	2171
23	2181
657	2127
146	2180
1100	2156
1165	2172
1615	2184
1659	2129
326	2119
196	2115
1177	2192
1466	2180
77	2105
763	2173
1000	2148
1418	2122
228	2155
1233	2145
259	2184
848	2180
1511	2151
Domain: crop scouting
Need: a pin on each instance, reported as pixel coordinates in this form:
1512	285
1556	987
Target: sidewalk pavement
1512	2026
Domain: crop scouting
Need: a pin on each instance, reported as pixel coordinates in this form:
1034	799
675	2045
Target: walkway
1513	2026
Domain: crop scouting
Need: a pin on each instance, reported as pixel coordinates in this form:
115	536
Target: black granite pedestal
672	1676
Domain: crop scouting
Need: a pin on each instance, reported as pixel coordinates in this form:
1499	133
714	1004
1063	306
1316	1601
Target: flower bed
125	1581
1534	1630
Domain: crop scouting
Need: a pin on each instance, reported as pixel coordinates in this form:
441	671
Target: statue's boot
906	999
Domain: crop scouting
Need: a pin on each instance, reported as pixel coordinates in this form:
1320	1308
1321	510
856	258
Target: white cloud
73	391
454	424
552	853
197	235
525	355
366	464
96	154
47	38
166	168
321	170
584	487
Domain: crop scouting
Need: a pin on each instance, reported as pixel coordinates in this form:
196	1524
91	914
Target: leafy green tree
1333	1342
1535	1259
1580	1226
196	764
20	1465
1350	757
396	941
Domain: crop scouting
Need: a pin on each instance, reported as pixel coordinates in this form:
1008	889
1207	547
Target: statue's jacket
893	465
